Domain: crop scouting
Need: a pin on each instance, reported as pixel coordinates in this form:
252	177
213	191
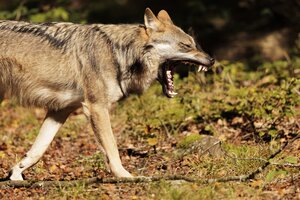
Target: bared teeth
172	93
169	74
170	85
202	68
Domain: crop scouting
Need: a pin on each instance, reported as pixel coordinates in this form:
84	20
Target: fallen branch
96	180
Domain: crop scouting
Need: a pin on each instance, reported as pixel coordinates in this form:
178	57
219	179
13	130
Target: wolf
64	66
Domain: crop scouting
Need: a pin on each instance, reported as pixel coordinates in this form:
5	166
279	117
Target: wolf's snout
211	60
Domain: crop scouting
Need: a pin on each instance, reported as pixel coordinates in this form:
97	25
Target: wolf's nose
212	61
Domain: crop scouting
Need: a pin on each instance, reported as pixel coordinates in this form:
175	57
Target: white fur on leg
117	168
43	140
103	132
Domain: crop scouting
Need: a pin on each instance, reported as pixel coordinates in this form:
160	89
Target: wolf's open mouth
166	76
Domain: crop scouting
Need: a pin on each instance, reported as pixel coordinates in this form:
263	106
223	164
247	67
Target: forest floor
223	123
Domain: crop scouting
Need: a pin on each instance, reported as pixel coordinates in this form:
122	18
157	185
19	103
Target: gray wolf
63	66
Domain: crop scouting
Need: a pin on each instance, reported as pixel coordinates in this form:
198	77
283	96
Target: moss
188	140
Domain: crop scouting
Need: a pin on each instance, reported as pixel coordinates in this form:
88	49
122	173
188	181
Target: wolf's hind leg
53	121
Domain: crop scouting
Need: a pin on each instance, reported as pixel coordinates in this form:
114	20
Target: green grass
188	191
249	111
266	96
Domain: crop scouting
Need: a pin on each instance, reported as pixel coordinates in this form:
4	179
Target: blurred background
245	30
227	122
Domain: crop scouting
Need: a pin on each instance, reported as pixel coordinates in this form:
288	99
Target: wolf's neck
127	42
136	62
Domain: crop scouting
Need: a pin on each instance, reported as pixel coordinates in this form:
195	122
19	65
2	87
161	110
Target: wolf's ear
150	20
164	17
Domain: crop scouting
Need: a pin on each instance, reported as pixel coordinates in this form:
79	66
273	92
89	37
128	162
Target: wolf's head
172	45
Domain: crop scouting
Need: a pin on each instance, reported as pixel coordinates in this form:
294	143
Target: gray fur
62	66
55	58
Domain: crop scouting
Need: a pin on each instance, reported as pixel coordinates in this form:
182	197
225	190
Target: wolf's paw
122	173
15	176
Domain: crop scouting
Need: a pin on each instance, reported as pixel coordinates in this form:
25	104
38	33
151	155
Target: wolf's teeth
200	68
173	93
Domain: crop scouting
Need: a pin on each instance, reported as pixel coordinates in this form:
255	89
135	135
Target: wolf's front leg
52	122
100	121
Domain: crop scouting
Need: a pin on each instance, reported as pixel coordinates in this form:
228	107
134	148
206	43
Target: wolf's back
37	62
56	34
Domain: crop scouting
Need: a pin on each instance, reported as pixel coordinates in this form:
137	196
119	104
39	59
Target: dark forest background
249	30
239	119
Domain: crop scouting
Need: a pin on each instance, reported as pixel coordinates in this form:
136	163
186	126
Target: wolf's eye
186	46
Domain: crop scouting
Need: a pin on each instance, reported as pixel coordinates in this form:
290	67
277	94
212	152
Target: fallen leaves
252	120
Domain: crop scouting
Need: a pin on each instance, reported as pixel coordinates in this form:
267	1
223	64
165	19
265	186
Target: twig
165	127
267	163
286	165
19	10
270	157
264	160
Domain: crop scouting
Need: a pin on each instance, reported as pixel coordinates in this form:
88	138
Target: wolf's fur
62	66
